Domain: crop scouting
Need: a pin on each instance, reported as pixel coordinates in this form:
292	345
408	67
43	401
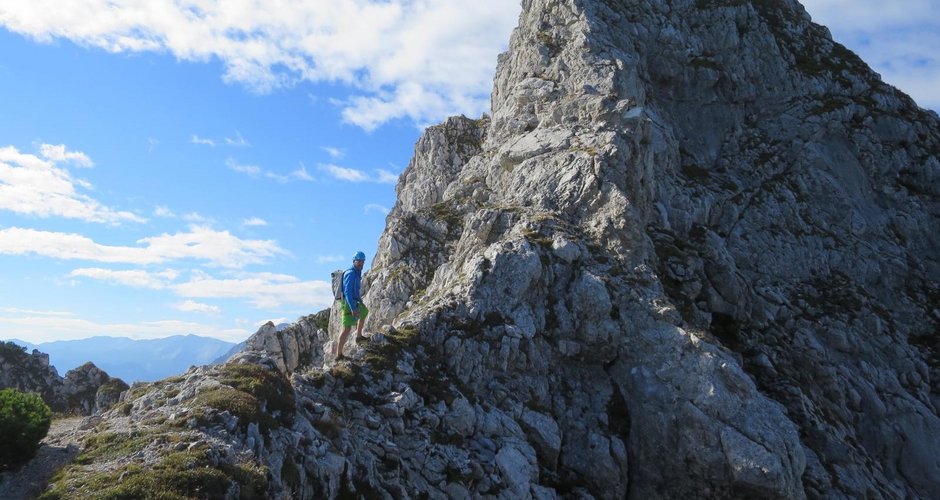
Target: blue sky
193	167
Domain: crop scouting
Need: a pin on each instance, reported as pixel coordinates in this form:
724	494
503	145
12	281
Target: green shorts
348	318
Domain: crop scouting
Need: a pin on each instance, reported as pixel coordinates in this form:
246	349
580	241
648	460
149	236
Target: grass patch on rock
178	475
113	445
253	394
383	356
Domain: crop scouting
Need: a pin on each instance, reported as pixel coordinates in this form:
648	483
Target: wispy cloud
31	185
238	141
335	153
193	306
254	222
161	211
199	219
263	290
195	139
32	312
217	248
345	174
421	61
354	175
372	207
251	170
300	174
386	177
59	154
136	278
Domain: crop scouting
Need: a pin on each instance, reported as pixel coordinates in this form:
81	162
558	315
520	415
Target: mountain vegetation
24	421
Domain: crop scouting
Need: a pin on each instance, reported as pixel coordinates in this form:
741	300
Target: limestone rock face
287	349
84	390
698	234
89	389
29	373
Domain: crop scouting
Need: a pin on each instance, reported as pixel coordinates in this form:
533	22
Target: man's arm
348	292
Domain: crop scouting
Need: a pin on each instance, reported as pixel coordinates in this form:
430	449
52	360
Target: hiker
354	311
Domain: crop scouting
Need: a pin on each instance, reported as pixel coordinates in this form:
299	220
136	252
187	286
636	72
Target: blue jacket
352	280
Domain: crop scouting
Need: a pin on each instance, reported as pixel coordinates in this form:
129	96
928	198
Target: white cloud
301	174
421	60
31	185
197	218
386	177
58	154
263	290
238	141
251	170
218	248
335	153
254	222
33	312
894	38
192	306
195	139
345	174
354	175
136	278
372	207
161	211
258	172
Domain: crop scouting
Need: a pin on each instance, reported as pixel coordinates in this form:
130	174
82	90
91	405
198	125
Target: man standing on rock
354	311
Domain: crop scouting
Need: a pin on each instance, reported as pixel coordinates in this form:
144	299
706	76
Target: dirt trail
60	446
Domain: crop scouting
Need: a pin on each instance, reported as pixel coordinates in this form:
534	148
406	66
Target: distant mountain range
134	360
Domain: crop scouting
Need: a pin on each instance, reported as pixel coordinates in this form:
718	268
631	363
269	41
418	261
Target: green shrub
24	421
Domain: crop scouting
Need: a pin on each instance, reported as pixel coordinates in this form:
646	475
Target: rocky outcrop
289	348
29	373
688	255
698	234
84	390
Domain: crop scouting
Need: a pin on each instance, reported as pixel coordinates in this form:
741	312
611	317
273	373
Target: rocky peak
288	349
679	211
84	390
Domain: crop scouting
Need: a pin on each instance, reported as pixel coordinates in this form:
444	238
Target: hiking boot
341	357
361	338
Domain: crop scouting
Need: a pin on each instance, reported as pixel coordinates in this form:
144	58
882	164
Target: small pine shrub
24	421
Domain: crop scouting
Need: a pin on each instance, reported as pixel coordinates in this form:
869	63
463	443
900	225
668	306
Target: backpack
338	283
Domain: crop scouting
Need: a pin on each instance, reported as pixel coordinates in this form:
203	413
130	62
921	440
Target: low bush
24	421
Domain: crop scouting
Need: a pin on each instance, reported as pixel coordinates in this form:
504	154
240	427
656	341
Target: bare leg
362	323
338	350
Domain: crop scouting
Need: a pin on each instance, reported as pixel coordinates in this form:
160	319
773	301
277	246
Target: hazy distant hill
229	353
134	360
